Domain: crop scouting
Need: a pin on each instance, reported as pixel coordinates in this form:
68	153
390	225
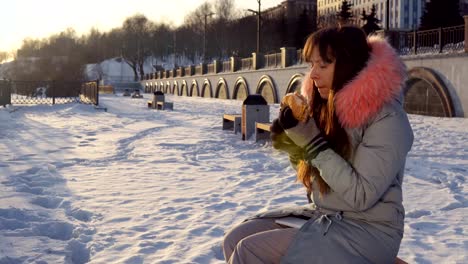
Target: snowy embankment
134	185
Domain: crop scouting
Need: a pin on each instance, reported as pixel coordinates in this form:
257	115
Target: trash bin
157	97
254	109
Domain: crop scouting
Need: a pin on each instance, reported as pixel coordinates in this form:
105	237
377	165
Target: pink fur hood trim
377	84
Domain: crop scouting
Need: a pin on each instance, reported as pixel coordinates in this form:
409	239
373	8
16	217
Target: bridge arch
427	94
222	91
294	83
241	89
194	91
168	87
175	87
206	90
183	88
267	89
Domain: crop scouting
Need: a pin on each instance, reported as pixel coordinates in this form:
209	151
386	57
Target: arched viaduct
437	83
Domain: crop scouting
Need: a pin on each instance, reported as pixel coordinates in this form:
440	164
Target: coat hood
378	83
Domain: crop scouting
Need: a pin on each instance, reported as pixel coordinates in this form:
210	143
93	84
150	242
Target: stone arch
222	91
267	89
184	91
241	89
206	90
147	87
184	88
168	88
294	83
426	94
194	91
175	88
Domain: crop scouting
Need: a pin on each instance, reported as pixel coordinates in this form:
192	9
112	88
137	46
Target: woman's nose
313	74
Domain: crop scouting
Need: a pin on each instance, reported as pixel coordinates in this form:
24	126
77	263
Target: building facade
292	9
402	15
299	18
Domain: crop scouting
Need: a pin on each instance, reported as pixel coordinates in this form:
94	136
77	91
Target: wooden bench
106	89
262	131
164	105
233	122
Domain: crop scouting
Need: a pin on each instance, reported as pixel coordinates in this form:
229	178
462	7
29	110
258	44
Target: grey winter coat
361	220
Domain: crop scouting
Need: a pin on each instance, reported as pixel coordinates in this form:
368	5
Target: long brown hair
348	47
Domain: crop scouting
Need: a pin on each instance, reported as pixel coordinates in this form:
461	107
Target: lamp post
259	17
175	38
204	35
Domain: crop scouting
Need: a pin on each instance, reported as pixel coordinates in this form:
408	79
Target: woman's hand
304	134
281	141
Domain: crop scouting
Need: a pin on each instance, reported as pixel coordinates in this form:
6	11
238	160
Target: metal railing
40	92
188	71
299	59
246	64
211	68
226	66
273	60
89	93
450	39
198	70
180	72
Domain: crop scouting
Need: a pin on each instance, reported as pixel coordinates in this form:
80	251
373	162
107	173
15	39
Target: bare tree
225	10
135	30
198	21
220	44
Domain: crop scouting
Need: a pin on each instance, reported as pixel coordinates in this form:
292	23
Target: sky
136	185
21	19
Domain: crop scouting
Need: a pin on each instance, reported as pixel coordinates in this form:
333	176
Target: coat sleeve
376	162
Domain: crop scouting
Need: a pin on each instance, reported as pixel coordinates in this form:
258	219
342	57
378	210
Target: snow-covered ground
135	185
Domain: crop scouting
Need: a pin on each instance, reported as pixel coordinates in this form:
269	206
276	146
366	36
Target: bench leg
227	124
261	134
237	125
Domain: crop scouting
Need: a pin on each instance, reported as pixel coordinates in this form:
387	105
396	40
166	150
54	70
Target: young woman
356	142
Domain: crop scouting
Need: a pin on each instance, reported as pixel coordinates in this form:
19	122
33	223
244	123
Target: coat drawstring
324	218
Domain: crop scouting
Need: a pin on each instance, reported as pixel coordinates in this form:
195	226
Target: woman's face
321	73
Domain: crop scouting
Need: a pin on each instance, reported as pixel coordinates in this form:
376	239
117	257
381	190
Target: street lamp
204	35
259	17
